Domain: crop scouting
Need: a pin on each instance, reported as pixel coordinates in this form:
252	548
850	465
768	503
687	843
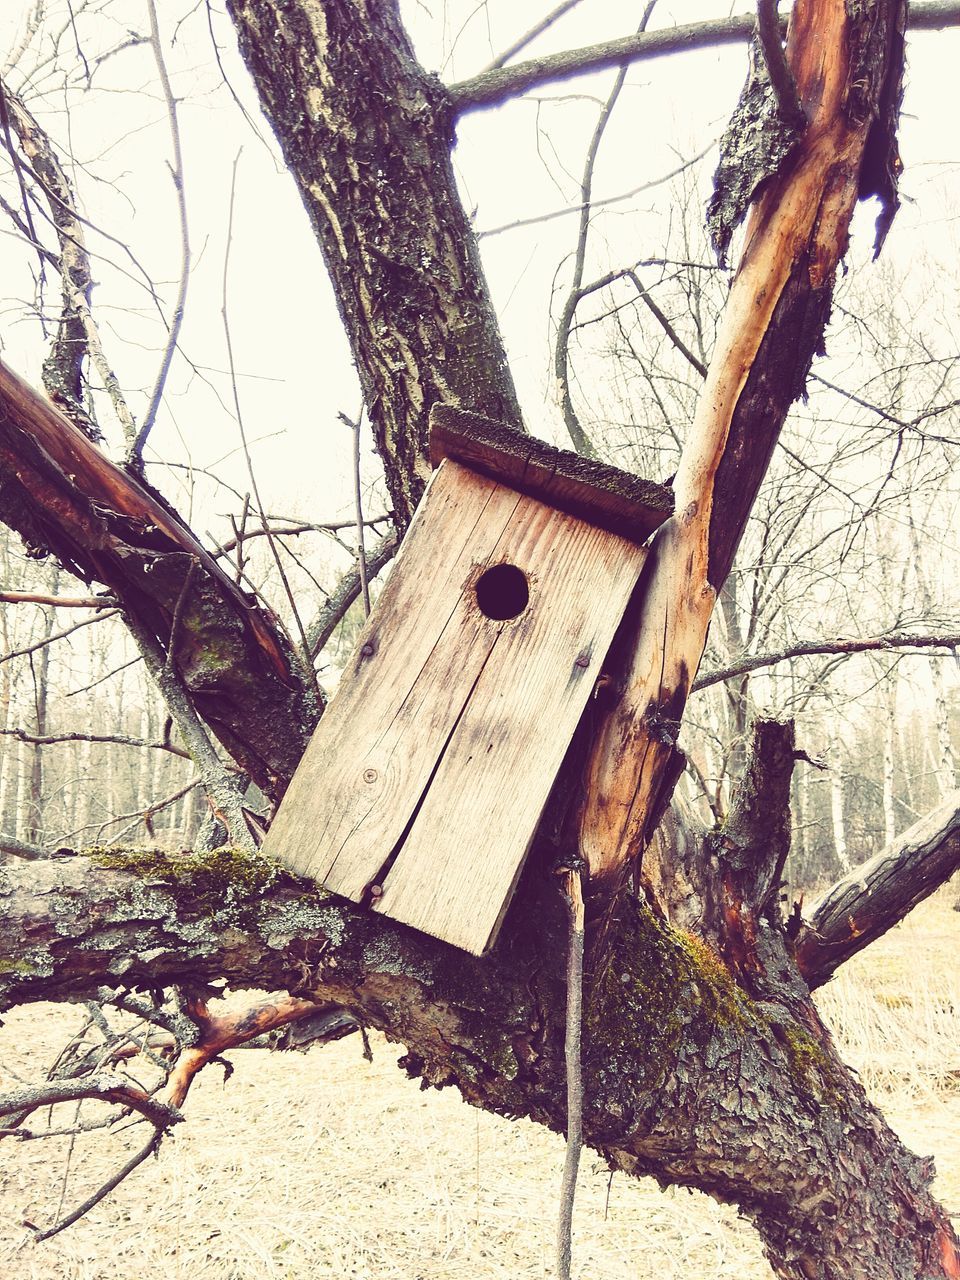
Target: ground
324	1165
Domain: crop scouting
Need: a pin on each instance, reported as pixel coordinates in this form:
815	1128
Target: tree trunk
369	147
705	1061
838	819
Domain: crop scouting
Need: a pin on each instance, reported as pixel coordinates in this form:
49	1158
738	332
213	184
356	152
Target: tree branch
667	1019
58	635
119	739
495	86
21	849
62	494
803	648
58	602
874	897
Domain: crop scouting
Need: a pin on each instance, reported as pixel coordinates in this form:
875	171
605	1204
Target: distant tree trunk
837	813
40	671
890	760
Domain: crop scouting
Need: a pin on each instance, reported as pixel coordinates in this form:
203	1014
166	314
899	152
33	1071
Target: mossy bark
690	1076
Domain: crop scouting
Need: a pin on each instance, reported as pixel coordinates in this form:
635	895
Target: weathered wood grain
455	873
410	675
424	783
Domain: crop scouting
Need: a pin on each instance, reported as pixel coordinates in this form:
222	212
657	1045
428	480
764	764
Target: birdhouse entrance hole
502	592
438	722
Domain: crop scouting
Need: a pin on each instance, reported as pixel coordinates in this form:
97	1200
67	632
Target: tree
705	1061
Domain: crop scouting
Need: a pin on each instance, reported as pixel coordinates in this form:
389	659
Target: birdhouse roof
603	495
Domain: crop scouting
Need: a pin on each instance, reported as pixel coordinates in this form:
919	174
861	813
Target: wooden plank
415	663
603	495
459	863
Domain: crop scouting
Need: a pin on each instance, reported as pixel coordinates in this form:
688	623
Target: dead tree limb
63	495
875	896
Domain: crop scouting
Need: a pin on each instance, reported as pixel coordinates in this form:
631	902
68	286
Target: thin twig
561	359
148	1148
18	170
108	675
358	508
345	592
572	889
306	662
136	452
219	785
533	34
58	635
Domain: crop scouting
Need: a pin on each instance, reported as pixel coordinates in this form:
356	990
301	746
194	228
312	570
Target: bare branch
105	1088
497	85
346	591
219	785
58	635
135	454
873	897
894	640
561	357
58	602
118	739
304	653
533	34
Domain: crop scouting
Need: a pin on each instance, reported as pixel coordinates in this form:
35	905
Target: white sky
516	161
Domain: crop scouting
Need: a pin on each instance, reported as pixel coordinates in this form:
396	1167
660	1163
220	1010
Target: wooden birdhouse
423	785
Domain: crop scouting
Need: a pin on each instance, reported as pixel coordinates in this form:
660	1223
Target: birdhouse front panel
425	781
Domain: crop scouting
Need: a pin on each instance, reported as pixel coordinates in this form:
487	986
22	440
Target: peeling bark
63	495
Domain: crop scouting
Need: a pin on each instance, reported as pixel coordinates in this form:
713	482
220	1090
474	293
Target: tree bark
700	1068
369	147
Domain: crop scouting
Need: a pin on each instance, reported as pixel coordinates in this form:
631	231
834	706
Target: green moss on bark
227	880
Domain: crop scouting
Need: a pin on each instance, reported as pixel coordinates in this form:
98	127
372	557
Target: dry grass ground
324	1165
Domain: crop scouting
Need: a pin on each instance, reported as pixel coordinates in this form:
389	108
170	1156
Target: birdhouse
422	787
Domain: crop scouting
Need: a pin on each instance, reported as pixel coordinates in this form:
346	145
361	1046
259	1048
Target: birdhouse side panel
459	862
378	742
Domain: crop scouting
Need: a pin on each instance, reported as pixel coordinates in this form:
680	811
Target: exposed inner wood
794	240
